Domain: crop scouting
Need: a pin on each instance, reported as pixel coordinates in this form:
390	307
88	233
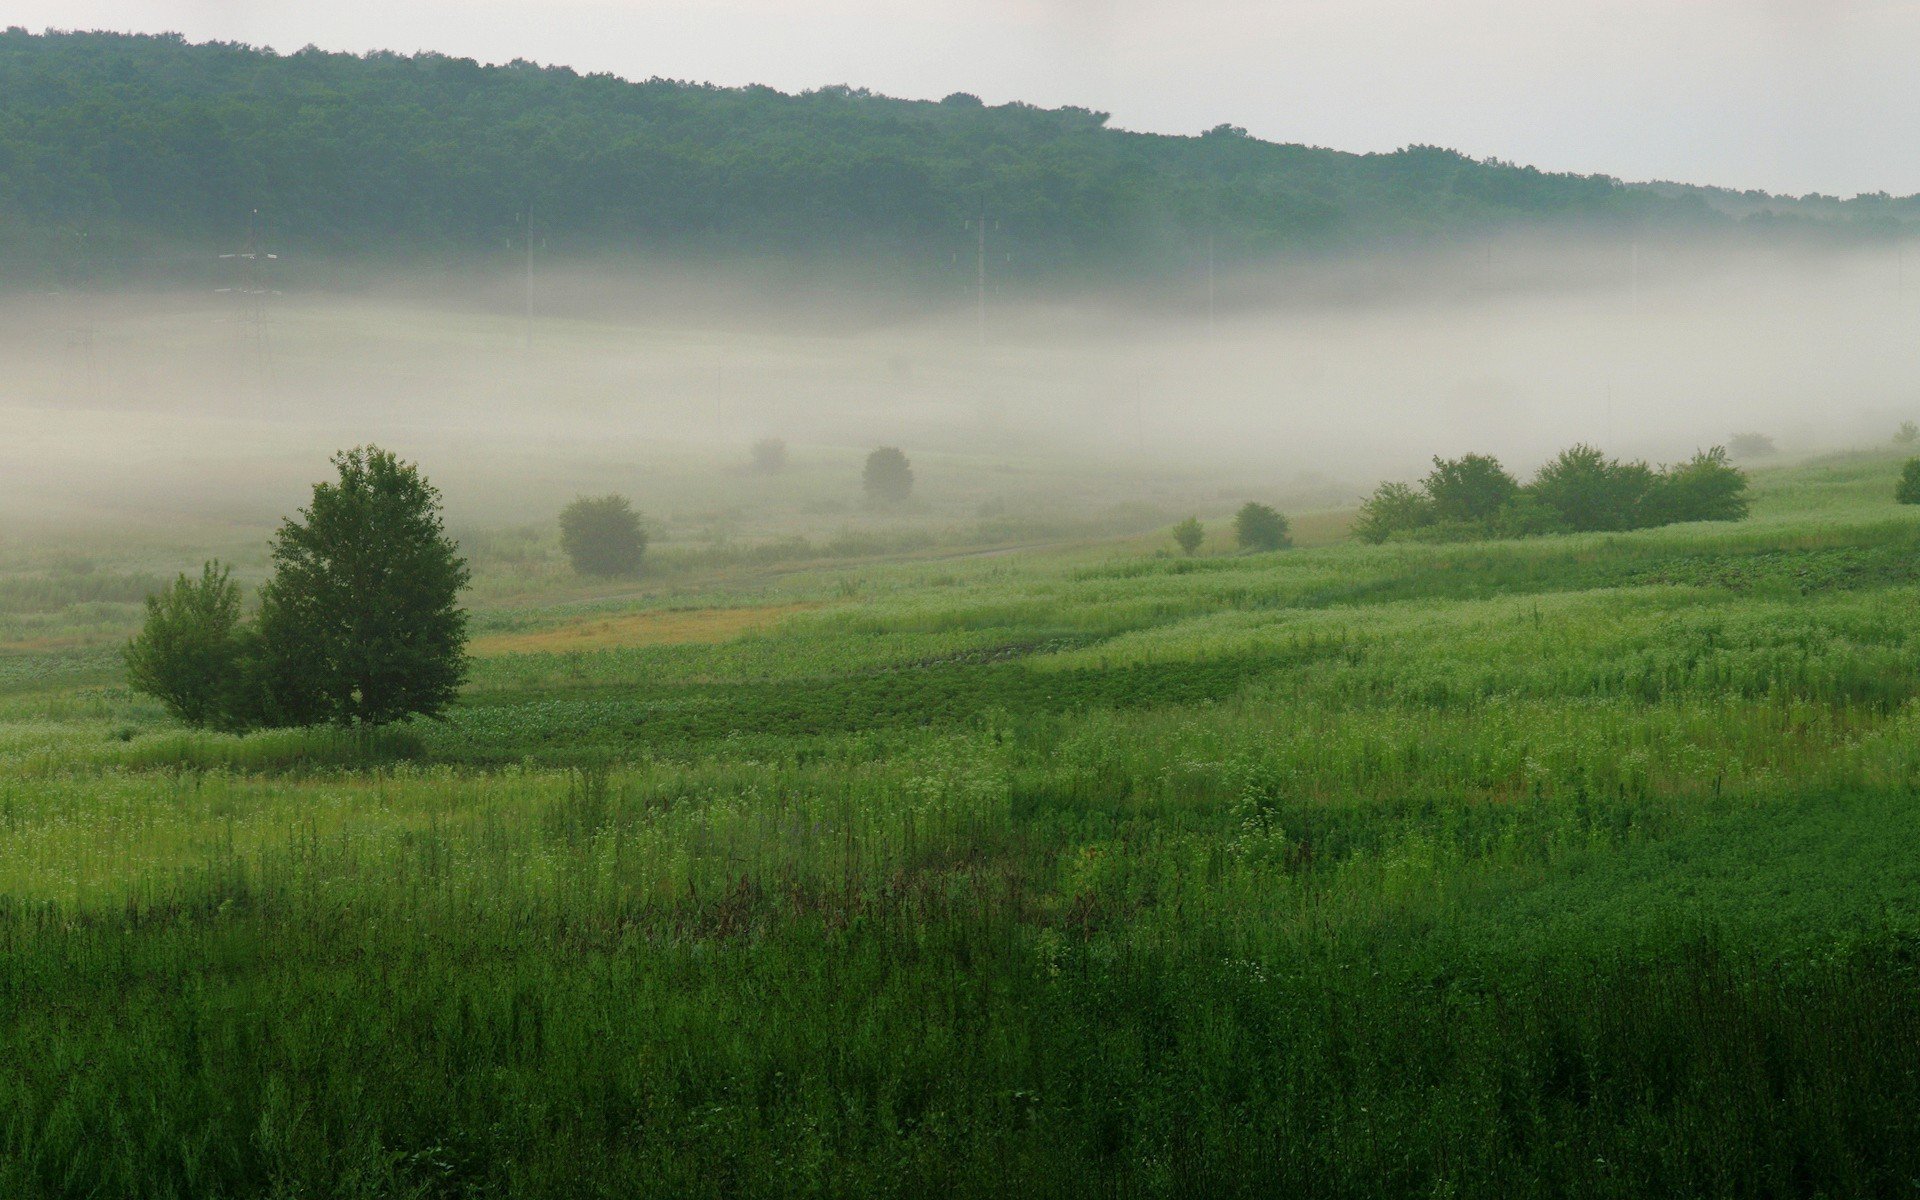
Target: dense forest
135	156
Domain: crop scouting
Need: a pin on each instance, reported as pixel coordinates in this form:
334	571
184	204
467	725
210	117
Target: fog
1304	384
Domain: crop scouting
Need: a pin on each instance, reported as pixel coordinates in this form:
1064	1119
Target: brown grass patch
654	627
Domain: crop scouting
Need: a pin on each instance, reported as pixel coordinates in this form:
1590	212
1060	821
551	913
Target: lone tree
1907	434
602	536
188	654
1258	527
361	622
1907	491
888	478
769	456
1188	535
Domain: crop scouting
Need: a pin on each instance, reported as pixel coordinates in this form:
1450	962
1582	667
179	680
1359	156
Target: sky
1790	96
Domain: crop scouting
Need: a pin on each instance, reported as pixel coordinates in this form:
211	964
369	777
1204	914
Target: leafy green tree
1188	535
188	654
1473	488
888	478
1707	487
361	622
1907	491
1907	434
1393	508
1589	491
1259	527
602	535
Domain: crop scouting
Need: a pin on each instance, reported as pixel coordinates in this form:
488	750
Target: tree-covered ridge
147	145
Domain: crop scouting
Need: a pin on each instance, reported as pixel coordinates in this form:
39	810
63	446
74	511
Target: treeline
1581	490
124	153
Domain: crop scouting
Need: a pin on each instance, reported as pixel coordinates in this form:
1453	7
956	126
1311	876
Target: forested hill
134	154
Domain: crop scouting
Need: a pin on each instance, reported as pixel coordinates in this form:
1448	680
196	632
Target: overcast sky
1787	95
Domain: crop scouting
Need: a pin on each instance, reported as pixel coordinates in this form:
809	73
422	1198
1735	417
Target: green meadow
1572	866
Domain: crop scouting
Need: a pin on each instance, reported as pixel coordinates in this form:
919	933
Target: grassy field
1573	867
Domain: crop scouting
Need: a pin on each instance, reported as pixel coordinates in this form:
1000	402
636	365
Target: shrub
888	478
1473	488
1752	445
1907	491
188	653
1707	487
1393	508
361	624
1527	517
1258	527
1586	490
602	536
769	456
1188	534
1907	434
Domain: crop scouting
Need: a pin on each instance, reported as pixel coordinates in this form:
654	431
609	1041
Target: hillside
128	157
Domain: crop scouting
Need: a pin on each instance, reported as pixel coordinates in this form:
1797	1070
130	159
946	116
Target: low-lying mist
1283	383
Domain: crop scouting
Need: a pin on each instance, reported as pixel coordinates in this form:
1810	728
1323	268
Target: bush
1586	490
888	478
602	536
1752	445
188	654
1907	434
1907	491
1393	508
1188	534
769	456
1258	527
1707	487
1473	488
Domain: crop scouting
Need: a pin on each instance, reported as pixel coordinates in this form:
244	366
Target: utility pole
527	286
980	279
1210	288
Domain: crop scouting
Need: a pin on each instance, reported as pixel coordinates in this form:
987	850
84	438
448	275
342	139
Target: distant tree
602	535
1470	489
1907	491
1707	487
1188	535
361	623
1752	445
888	478
1907	434
770	456
1258	527
1587	490
962	100
1393	508
188	654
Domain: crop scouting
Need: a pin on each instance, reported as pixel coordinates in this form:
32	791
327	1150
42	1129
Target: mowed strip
654	627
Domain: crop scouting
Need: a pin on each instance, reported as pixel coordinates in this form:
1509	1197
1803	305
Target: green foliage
361	622
1472	489
1907	491
147	141
602	536
1707	487
888	477
1907	434
1752	445
1260	527
1589	491
1394	508
1188	535
188	653
1580	490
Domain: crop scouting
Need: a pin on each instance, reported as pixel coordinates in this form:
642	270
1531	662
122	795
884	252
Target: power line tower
250	288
